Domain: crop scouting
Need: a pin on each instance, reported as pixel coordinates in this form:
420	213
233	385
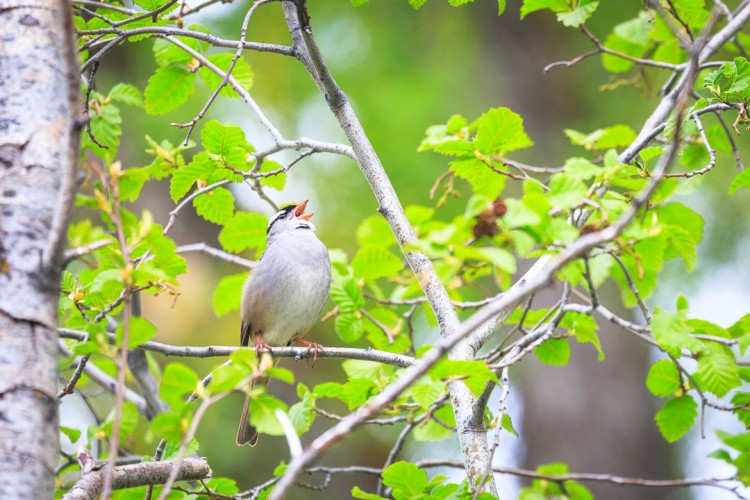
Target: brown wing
246	332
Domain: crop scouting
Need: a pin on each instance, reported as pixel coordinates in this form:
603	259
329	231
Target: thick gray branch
131	476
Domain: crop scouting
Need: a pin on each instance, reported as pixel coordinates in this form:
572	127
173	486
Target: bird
285	292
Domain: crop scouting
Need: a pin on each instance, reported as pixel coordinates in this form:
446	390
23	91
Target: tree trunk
38	152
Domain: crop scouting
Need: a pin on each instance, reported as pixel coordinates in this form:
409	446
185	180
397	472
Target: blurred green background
405	70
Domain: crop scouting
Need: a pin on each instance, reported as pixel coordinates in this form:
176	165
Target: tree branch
131	476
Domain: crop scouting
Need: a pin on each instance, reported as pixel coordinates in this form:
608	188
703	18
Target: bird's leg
261	346
311	346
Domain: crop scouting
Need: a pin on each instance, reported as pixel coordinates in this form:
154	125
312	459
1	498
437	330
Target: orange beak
299	211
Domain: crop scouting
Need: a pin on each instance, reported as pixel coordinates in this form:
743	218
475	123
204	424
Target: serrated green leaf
277	181
302	417
676	417
579	15
186	176
244	231
663	378
262	414
141	330
581	168
347	295
105	127
671	331
374	262
349	327
555	352
176	381
565	191
126	94
228	294
168	89
717	370
227	141
685	245
215	206
500	131
482	179
405	478
131	182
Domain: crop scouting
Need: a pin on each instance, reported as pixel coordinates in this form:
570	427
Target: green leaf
276	181
581	168
507	424
131	182
663	378
225	378
530	6
347	295
227	141
500	131
482	179
565	191
616	136
519	214
676	417
150	5
677	214
126	94
105	127
579	15
168	89
496	256
72	434
244	231
241	72
475	374
685	245
223	486
671	331
176	381
555	352
375	231
215	206
228	294
356	492
349	327
141	330
262	414
302	416
406	479
717	370
376	262
742	180
184	177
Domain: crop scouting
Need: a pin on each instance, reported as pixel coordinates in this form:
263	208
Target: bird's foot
311	347
261	346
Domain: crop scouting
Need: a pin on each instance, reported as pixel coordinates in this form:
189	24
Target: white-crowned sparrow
285	292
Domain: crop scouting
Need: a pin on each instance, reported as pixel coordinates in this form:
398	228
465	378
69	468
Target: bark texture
38	152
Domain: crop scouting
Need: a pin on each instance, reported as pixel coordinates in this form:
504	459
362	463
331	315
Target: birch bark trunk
38	152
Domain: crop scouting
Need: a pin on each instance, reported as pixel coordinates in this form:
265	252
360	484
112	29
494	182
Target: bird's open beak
299	211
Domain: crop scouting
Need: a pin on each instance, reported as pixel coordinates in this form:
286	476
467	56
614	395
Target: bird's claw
311	347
